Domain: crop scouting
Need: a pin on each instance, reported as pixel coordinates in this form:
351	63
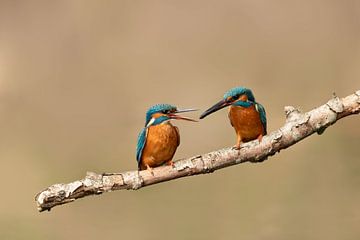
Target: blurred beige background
76	78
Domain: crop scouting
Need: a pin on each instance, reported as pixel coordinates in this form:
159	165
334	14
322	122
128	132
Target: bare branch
297	127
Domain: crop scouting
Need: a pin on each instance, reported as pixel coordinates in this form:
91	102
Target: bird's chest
161	143
246	121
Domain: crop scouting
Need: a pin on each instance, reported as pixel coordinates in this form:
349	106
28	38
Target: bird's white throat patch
152	120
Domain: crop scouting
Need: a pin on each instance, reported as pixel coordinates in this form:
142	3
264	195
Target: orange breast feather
246	122
161	143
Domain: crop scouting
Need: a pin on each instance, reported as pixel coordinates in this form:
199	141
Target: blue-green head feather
236	92
159	108
232	97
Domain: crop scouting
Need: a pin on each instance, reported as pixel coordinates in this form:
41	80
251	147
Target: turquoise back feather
141	144
262	113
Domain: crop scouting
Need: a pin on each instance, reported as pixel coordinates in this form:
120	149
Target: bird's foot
260	138
150	170
170	163
236	147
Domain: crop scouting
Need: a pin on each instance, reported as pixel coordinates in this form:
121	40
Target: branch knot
335	105
292	113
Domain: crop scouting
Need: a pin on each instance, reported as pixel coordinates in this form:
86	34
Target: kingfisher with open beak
159	139
246	115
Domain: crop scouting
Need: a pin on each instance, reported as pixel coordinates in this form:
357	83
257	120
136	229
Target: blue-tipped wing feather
262	113
141	144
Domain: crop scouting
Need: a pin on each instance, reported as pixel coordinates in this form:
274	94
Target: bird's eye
236	97
165	111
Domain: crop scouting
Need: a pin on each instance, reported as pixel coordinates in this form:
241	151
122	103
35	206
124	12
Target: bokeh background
76	78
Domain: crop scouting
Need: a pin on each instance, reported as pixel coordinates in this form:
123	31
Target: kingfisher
159	139
247	116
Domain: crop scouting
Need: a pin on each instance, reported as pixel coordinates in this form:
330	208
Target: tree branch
297	127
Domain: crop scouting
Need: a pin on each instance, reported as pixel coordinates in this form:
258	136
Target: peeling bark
298	126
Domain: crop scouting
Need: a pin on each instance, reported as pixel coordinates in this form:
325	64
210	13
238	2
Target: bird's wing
141	144
178	135
262	113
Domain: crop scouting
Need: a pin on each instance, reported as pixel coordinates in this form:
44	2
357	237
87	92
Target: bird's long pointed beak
178	117
221	104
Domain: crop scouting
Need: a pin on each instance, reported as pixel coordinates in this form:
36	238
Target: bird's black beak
178	117
221	104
